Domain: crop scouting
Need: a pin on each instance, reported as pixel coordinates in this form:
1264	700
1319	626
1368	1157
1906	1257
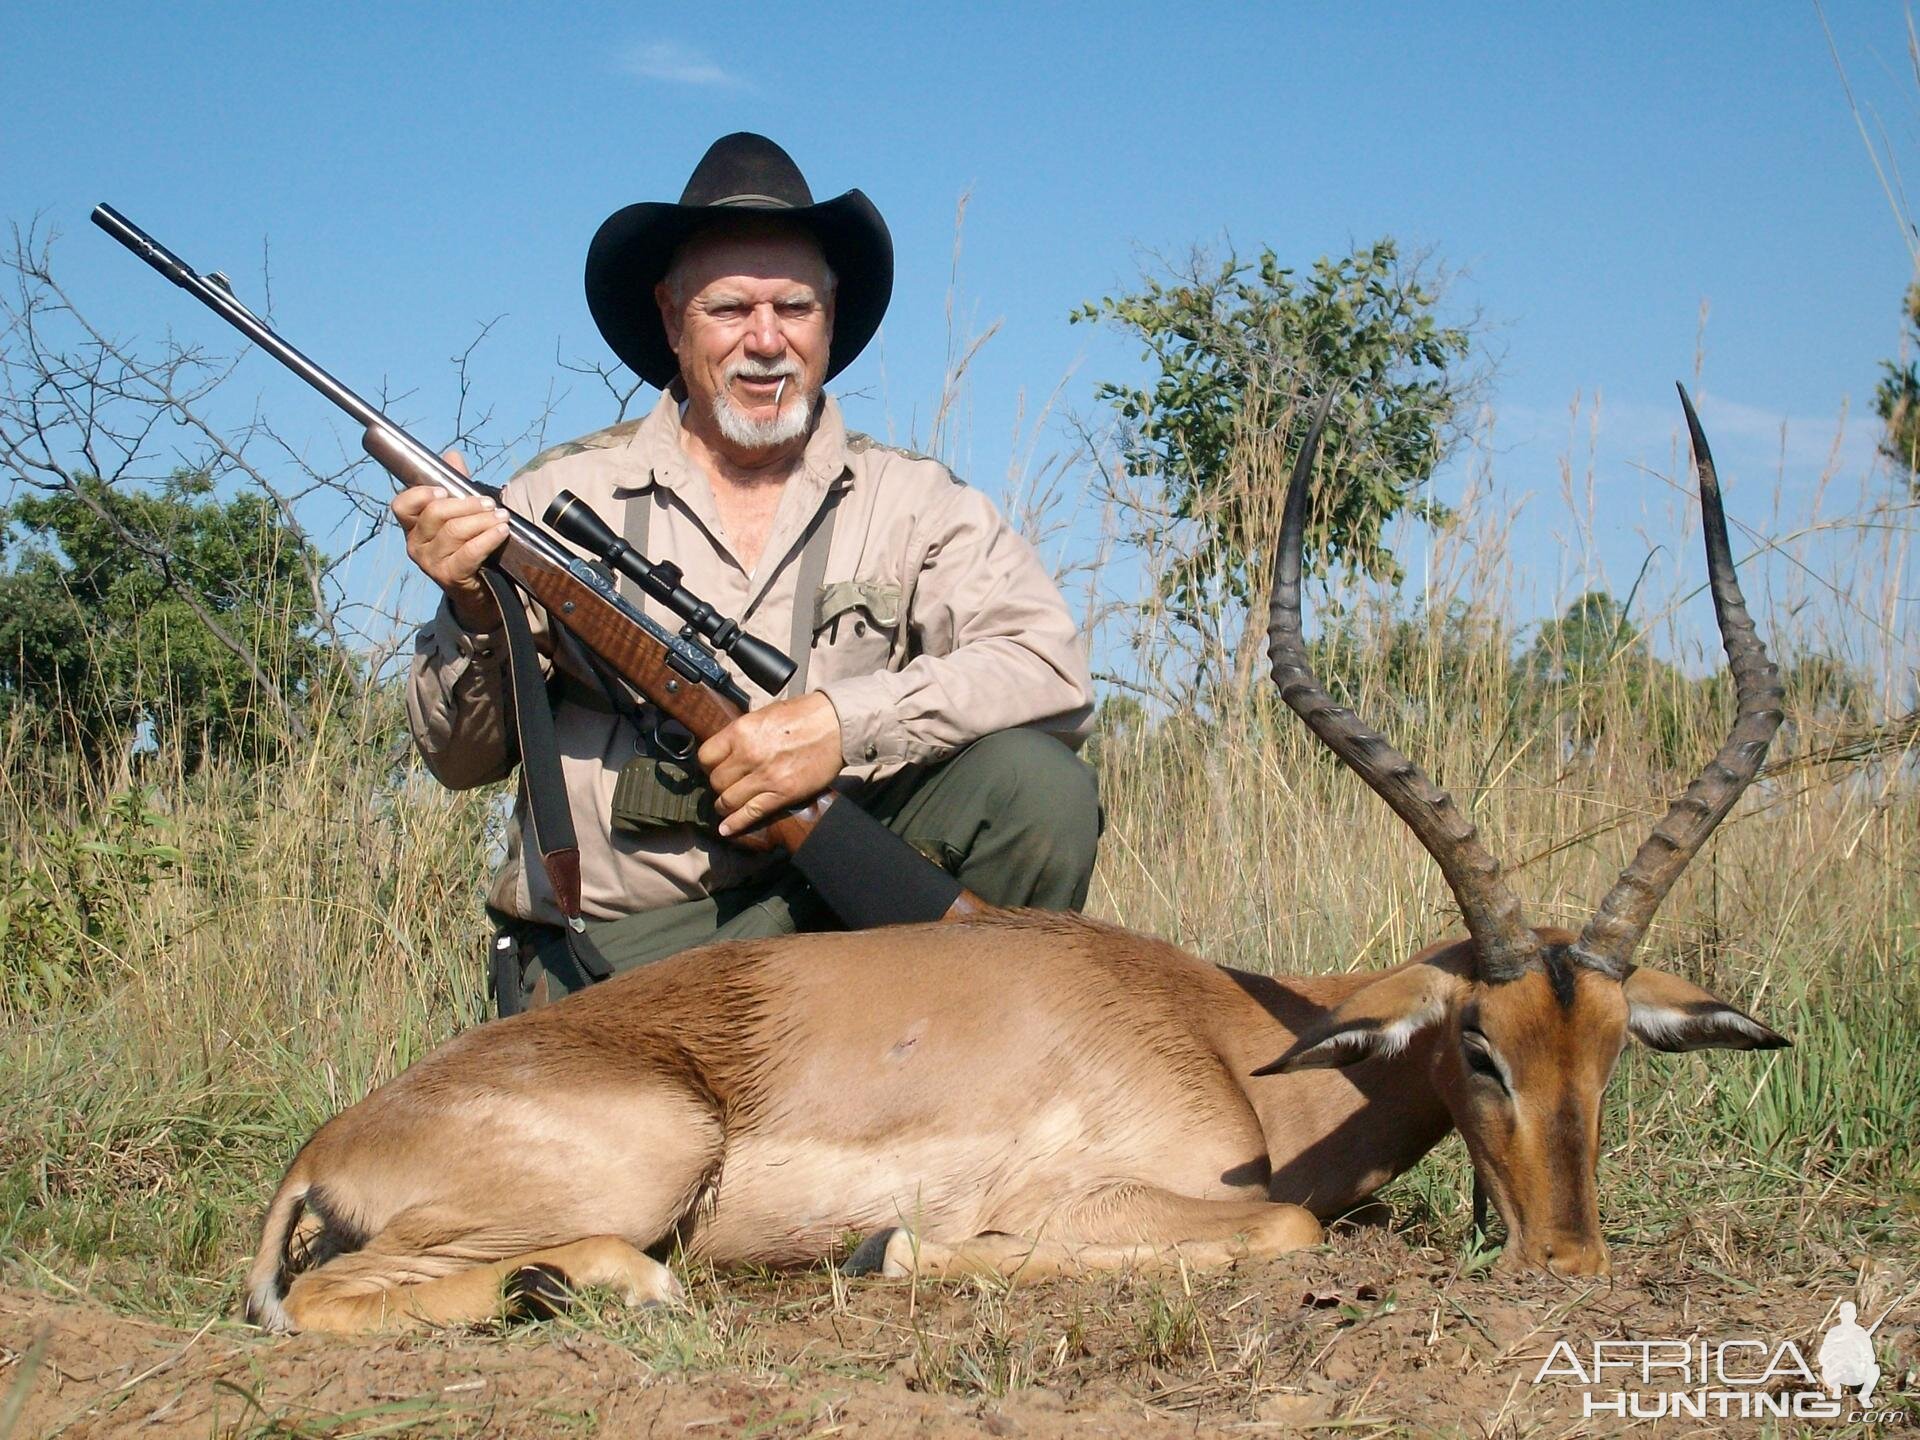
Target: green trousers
1014	817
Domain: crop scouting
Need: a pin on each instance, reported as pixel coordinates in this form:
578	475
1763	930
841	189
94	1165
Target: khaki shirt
938	626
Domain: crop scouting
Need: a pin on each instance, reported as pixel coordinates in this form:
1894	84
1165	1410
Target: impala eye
1480	1059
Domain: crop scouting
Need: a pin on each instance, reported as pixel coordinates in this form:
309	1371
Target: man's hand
449	537
772	759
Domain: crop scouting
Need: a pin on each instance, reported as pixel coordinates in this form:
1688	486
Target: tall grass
287	930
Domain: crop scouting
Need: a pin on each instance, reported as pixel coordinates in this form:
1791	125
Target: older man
939	672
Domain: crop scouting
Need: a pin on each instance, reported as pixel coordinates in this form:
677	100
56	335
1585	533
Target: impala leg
1131	1227
381	1290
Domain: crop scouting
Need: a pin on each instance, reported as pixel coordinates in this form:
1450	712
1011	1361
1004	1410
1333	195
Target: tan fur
1018	1093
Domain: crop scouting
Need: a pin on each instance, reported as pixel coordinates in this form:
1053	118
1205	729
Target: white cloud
678	64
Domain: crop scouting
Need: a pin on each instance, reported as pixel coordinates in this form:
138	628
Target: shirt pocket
854	625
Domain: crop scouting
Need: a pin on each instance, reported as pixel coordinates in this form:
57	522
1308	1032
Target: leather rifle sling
636	518
549	823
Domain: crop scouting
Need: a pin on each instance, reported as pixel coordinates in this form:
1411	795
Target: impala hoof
869	1257
537	1292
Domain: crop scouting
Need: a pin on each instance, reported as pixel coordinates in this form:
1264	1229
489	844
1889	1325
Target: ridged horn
1628	909
1502	941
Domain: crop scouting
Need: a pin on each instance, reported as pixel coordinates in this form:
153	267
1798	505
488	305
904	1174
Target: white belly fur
787	1199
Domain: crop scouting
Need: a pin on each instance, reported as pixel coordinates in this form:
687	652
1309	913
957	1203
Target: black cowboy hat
632	251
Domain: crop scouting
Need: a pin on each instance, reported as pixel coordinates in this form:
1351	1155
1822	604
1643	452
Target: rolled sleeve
994	649
456	701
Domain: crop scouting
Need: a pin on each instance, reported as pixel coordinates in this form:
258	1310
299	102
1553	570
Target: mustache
759	370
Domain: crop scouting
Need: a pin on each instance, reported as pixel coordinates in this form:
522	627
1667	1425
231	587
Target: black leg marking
339	1234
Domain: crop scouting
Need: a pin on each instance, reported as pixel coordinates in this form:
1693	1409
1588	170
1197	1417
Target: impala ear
1668	1013
1373	1022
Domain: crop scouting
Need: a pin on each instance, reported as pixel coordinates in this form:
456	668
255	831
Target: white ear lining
1346	1046
1394	1038
1669	1028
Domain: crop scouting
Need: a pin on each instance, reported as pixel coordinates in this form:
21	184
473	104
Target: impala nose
1568	1255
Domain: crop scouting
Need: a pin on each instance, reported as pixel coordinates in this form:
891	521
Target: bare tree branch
621	387
79	405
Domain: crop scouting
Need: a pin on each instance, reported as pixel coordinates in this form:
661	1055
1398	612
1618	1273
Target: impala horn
1503	943
1626	912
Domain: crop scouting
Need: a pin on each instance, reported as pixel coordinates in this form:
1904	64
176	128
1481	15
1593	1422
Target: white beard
786	425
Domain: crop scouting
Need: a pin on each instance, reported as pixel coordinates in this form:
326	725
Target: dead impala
1017	1093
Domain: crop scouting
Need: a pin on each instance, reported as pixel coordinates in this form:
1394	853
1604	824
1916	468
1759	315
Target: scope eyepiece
767	666
568	515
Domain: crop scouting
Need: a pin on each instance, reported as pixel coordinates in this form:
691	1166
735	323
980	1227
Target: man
927	632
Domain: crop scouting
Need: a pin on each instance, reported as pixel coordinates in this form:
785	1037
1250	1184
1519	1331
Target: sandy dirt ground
1370	1336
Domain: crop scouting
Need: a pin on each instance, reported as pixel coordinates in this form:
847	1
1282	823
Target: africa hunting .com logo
1744	1377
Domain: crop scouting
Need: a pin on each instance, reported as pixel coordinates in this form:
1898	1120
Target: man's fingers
462	528
728	771
408	504
450	536
412	503
771	760
438	545
457	461
452	507
470	556
728	798
714	753
742	774
749	813
428	508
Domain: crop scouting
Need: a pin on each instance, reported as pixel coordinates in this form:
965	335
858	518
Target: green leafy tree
1591	637
1239	347
170	608
1897	402
1592	666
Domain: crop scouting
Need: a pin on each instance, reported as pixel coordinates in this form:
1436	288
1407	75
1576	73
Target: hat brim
630	254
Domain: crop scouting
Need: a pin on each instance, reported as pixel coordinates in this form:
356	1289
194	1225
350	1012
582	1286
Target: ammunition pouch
655	791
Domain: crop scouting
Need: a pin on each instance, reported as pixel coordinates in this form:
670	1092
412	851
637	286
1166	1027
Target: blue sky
1596	175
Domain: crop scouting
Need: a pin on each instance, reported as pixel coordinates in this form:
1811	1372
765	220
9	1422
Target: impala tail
267	1276
302	1230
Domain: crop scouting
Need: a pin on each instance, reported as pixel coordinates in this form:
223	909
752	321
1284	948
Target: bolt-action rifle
867	874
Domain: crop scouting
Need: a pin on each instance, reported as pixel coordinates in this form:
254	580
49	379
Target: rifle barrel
217	297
